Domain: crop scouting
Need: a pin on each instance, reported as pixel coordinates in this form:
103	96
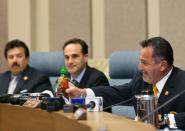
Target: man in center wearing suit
21	78
155	68
76	61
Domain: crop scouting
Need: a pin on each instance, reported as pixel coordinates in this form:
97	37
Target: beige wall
172	27
106	25
125	24
69	19
3	32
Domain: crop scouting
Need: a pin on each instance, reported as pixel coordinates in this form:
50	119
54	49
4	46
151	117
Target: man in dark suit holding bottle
21	78
76	57
156	69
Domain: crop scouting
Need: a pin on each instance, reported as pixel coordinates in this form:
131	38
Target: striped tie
155	90
75	83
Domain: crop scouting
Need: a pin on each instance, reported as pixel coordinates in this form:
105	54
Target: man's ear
164	65
86	57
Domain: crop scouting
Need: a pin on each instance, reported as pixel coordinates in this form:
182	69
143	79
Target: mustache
15	65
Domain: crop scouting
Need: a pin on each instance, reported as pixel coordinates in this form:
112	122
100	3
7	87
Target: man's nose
14	59
70	60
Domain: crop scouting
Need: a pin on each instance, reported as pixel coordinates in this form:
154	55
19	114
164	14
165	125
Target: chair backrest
123	66
48	63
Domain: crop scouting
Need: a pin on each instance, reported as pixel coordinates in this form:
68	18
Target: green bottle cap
63	71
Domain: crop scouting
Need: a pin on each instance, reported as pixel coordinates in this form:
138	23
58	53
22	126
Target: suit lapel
168	88
20	85
84	81
166	93
5	84
25	76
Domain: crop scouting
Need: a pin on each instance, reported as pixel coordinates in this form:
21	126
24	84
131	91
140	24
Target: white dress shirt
12	84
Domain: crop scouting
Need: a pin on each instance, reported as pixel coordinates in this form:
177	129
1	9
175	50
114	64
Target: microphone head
91	104
52	103
94	103
5	98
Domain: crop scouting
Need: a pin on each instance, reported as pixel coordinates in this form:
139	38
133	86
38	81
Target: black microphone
74	107
119	103
5	98
12	98
20	98
91	104
163	105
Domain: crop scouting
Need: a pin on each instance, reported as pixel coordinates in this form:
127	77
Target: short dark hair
161	48
15	44
83	44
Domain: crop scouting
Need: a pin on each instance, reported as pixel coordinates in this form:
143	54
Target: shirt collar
160	84
17	76
12	76
79	77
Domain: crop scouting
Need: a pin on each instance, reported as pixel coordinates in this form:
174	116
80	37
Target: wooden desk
18	118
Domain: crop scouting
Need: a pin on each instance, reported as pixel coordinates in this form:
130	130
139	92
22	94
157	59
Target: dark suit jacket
174	85
31	80
92	78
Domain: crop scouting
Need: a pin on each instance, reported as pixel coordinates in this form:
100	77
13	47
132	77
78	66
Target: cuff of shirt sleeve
89	92
172	124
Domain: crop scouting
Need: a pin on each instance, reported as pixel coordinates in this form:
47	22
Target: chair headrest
123	64
47	62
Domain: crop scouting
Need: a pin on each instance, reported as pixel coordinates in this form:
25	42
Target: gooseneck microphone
119	103
163	105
